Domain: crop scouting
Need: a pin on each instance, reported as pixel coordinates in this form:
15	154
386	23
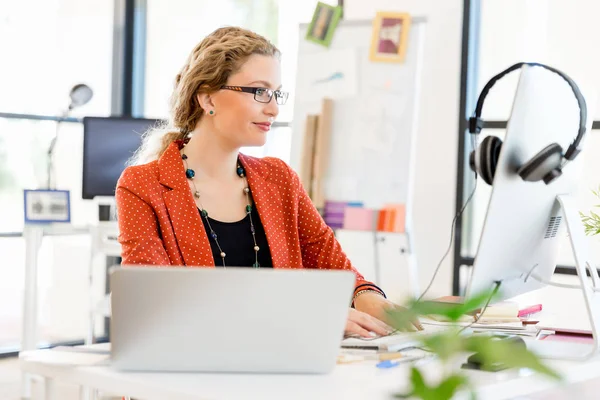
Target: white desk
354	381
349	381
102	245
33	235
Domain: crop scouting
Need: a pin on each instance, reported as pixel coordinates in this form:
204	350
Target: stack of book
507	317
507	311
504	312
354	216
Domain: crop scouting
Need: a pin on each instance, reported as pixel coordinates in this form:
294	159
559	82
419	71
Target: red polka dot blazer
159	223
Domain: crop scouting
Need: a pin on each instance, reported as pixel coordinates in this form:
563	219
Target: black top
236	241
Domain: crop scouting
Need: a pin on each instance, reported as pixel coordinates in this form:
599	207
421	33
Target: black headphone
547	164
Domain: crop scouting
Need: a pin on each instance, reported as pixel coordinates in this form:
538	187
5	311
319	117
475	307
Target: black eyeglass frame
280	96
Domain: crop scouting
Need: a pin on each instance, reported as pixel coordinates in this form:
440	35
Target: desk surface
348	381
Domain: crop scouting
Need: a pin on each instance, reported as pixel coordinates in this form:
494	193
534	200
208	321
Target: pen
388	364
394	363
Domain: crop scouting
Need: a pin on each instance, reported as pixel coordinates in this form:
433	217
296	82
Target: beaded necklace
190	174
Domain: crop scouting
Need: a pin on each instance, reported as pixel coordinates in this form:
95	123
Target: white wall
573	33
559	33
437	141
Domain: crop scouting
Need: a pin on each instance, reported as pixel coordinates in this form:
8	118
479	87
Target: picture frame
390	37
42	206
323	24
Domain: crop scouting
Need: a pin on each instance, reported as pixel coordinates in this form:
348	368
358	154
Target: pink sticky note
358	218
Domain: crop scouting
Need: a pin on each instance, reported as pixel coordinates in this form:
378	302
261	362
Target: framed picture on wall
323	24
46	206
390	37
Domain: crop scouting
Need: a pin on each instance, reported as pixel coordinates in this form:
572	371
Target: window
23	165
75	47
54	44
23	147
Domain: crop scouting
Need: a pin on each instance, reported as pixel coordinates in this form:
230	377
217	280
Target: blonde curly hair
209	65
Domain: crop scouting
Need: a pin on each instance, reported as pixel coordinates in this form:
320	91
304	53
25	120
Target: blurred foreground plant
451	343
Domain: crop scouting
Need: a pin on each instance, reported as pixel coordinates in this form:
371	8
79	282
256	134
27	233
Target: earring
211	112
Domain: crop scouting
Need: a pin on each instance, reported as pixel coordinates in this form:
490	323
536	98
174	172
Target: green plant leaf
401	318
448	387
445	344
420	388
479	300
498	351
450	311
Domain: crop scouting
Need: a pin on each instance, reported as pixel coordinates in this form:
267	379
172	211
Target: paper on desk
516	328
569	338
351	356
489	326
529	330
574	325
67	357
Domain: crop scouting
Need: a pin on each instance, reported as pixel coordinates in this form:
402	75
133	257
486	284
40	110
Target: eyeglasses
262	95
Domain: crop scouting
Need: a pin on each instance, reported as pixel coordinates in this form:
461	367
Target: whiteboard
375	113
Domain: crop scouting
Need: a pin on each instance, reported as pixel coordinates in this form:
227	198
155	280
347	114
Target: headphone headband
476	123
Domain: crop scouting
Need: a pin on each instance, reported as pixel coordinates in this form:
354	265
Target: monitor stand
590	289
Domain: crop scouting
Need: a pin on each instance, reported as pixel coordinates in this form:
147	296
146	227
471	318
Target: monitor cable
458	215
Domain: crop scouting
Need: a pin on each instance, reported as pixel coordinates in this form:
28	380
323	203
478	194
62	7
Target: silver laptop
228	320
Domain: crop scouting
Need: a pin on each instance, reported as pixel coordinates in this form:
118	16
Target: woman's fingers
352	328
365	325
369	323
379	323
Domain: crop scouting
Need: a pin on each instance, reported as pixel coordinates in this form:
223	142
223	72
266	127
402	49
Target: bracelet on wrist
361	292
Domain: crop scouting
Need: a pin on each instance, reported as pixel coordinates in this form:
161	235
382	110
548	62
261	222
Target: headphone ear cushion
487	159
542	164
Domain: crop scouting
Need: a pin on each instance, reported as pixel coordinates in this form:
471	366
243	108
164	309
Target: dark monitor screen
108	143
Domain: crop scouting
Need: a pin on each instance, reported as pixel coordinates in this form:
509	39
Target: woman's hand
376	305
364	325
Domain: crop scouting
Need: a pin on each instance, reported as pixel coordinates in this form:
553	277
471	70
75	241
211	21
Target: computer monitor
526	222
108	143
524	225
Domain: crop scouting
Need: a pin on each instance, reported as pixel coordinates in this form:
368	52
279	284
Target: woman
196	201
